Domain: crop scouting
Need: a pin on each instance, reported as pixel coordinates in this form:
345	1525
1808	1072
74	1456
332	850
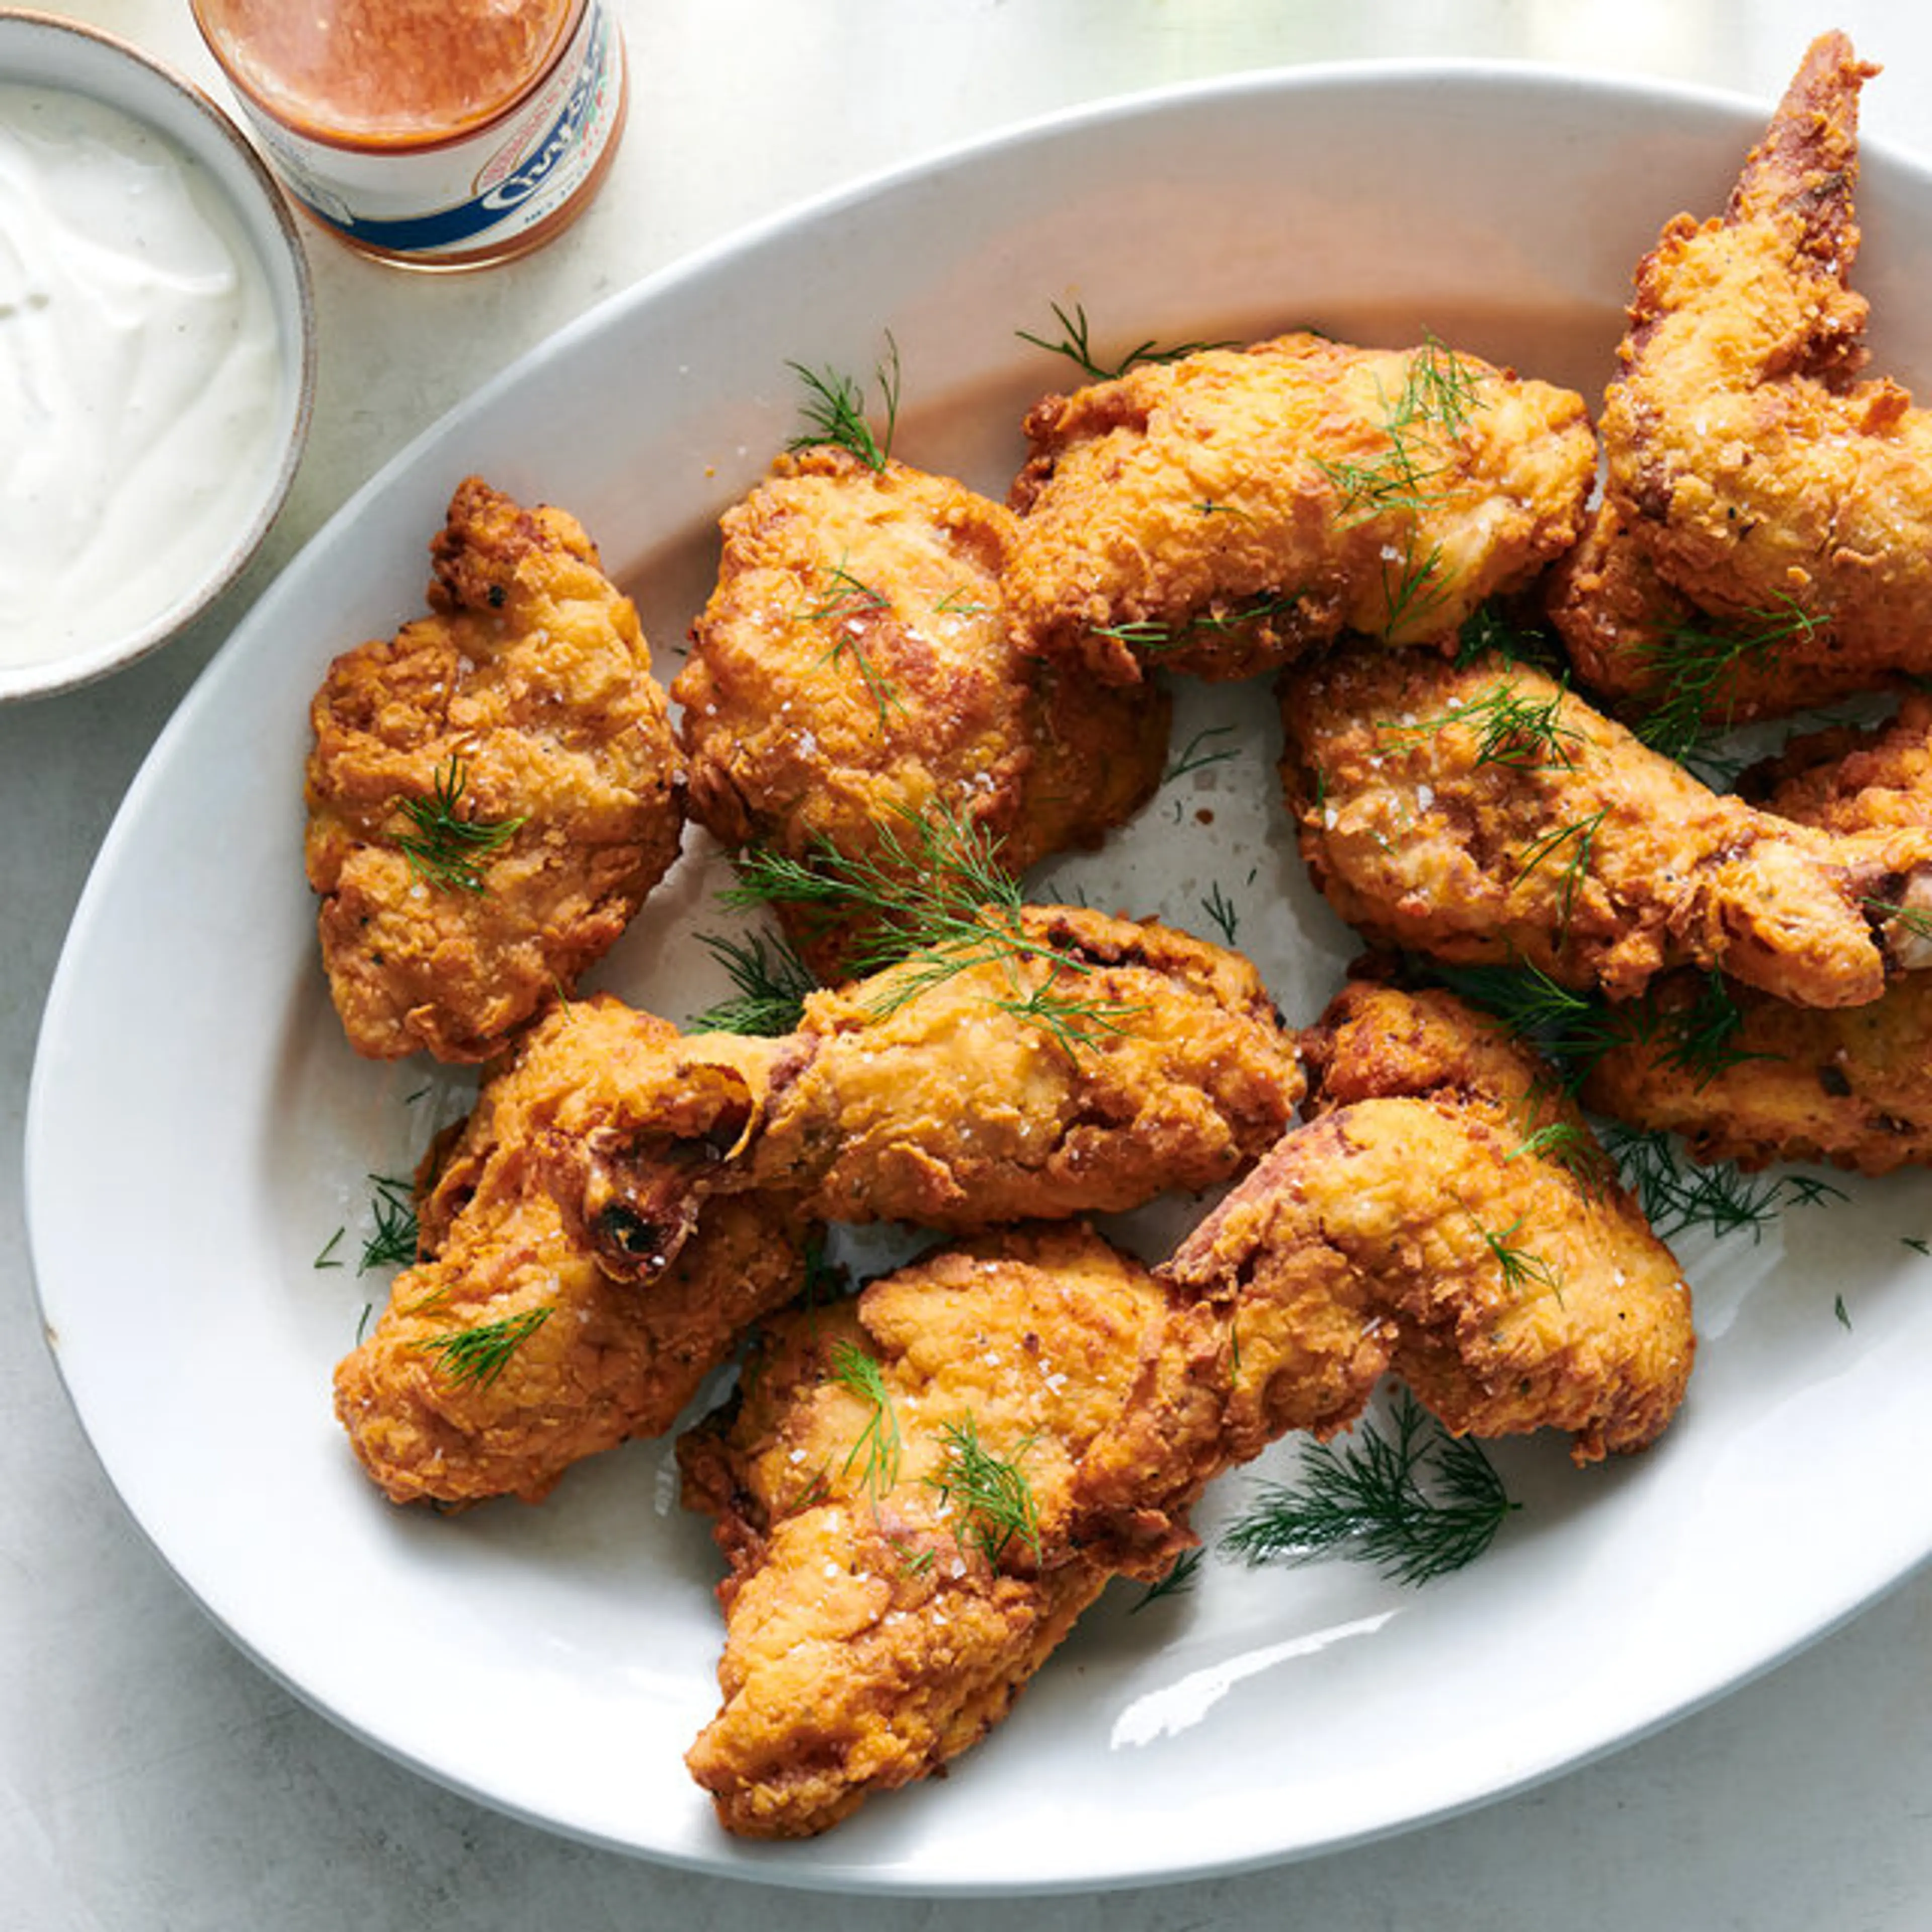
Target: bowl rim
277	245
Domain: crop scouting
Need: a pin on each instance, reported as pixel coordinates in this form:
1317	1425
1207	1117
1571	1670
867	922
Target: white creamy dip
140	382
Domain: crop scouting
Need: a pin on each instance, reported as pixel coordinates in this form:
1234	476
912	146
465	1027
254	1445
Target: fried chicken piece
1783	1082
1445	1217
891	1489
505	1354
491	793
1757	479
1076	1064
1479	813
852	671
1221	513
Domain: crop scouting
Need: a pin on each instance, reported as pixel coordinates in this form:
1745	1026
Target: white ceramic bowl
41	51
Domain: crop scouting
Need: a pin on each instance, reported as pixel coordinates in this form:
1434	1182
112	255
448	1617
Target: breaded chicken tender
1757	479
1444	1217
1481	813
1221	513
1852	1087
891	1489
1079	1064
491	793
505	1354
853	670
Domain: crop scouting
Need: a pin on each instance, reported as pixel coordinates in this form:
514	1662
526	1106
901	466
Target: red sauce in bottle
435	134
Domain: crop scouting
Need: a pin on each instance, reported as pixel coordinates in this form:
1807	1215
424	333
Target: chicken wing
1757	480
891	1490
1480	812
1444	1217
1076	1064
853	670
1788	1083
505	1354
1221	513
491	793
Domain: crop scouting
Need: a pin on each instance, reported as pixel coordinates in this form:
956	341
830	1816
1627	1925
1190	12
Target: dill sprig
1194	756
1523	1268
443	848
996	1499
843	609
834	410
1579	836
1686	667
476	1357
934	901
393	1242
1181	1577
1678	1196
772	981
1220	909
1075	344
1525	734
1571	1029
878	1446
1417	1503
1571	1146
1156	637
1490	631
1406	478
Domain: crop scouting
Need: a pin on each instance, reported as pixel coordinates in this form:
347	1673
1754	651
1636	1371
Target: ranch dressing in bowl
142	381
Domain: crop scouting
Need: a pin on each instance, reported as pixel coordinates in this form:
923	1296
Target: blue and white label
476	196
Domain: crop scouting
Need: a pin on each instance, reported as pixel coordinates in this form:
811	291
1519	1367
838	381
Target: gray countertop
150	1776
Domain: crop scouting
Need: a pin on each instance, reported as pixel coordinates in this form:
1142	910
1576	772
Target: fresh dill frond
1678	1196
1843	1314
1701	1038
393	1243
1489	631
1440	389
932	901
772	982
1687	666
443	848
1915	919
1181	1577
1918	1244
1220	909
1579	836
834	410
1417	1503
1522	733
328	1258
878	1447
1154	638
1194	756
1075	342
993	1495
1523	1268
1571	1029
1570	1145
476	1357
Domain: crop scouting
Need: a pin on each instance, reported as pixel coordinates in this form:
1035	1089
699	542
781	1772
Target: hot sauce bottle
431	134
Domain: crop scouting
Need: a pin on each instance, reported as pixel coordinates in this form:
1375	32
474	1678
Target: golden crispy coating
523	702
1508	1279
853	670
505	1354
1220	514
1481	813
879	1619
1791	1083
1100	1063
1848	780
1850	1086
1757	478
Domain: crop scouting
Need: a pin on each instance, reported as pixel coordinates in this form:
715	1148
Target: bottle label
478	192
